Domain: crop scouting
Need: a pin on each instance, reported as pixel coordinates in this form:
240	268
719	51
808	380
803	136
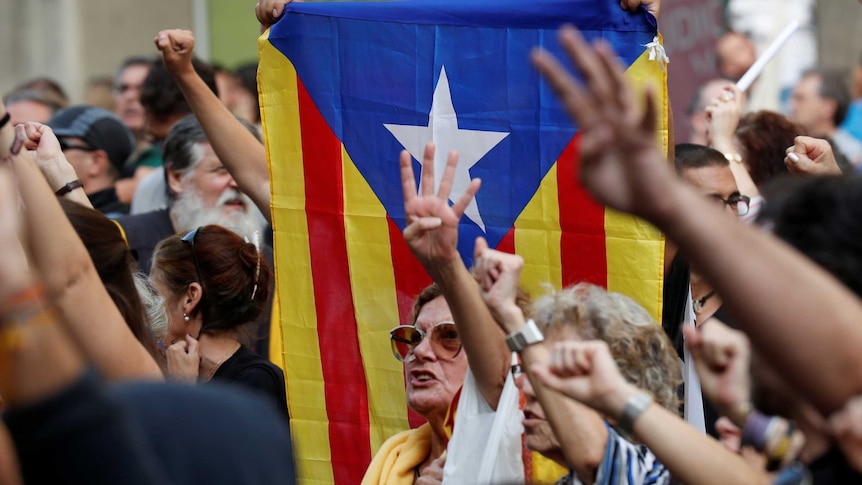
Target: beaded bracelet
757	430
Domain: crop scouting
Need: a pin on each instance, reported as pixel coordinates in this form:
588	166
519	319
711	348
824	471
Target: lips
238	203
531	418
421	378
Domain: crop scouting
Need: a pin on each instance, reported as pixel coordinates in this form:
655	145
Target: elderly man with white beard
200	192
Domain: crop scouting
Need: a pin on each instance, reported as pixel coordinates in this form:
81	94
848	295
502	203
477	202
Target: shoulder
155	224
629	463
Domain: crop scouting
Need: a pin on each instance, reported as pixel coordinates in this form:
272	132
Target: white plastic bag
486	445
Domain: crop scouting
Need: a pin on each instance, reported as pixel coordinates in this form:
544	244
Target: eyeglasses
65	145
445	341
740	203
123	88
517	371
189	239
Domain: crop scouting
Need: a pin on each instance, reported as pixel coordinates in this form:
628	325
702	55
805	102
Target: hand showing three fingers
621	164
432	224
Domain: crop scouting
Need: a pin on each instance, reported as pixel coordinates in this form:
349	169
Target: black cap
99	128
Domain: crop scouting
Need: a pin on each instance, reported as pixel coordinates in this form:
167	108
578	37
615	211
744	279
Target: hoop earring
186	317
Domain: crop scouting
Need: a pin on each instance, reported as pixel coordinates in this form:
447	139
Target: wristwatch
528	335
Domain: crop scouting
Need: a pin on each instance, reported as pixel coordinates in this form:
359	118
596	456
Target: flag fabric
344	87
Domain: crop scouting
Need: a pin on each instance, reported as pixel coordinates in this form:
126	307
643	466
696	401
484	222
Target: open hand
432	225
176	47
620	161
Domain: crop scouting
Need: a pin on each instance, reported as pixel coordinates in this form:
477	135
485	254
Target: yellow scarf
396	462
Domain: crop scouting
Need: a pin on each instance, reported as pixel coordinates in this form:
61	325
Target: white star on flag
443	130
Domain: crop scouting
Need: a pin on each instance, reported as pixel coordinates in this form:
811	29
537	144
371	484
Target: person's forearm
580	430
483	341
93	321
59	173
743	179
797	316
674	442
238	150
36	359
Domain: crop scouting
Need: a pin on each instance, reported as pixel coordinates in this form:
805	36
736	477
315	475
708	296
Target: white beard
188	212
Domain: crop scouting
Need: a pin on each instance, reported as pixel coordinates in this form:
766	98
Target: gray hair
154	305
181	152
643	353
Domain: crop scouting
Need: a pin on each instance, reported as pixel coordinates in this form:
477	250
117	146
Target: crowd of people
136	290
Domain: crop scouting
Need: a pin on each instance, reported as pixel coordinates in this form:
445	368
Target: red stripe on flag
583	256
507	244
410	279
343	372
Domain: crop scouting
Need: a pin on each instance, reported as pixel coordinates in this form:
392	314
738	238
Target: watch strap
635	406
527	335
75	184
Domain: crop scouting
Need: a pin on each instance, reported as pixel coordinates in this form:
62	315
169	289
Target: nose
232	183
424	351
524	384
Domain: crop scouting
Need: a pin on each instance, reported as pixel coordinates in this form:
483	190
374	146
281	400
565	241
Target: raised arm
240	152
71	280
55	414
432	235
799	318
586	371
580	431
53	163
723	114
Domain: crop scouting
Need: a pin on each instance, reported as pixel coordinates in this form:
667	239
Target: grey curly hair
643	353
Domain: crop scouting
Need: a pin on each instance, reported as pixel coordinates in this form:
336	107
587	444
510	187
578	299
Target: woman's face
538	435
432	381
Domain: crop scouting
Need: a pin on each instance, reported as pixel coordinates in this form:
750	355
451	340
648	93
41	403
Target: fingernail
793	157
163	35
275	12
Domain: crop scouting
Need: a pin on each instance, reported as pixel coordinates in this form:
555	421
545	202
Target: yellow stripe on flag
372	282
537	238
301	348
635	249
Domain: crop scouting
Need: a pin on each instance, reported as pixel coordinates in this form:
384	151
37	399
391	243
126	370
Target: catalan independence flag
344	87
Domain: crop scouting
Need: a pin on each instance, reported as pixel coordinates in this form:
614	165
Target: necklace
215	368
697	305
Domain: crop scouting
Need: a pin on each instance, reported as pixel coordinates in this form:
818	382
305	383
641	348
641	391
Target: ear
192	297
100	164
830	106
174	180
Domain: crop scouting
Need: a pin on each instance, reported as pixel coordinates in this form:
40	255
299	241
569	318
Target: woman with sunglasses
214	283
434	369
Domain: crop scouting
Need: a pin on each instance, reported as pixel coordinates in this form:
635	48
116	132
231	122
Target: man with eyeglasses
97	144
686	292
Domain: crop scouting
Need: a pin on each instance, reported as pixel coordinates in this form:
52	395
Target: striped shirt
625	463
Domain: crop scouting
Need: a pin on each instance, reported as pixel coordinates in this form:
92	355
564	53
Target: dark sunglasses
66	145
445	341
